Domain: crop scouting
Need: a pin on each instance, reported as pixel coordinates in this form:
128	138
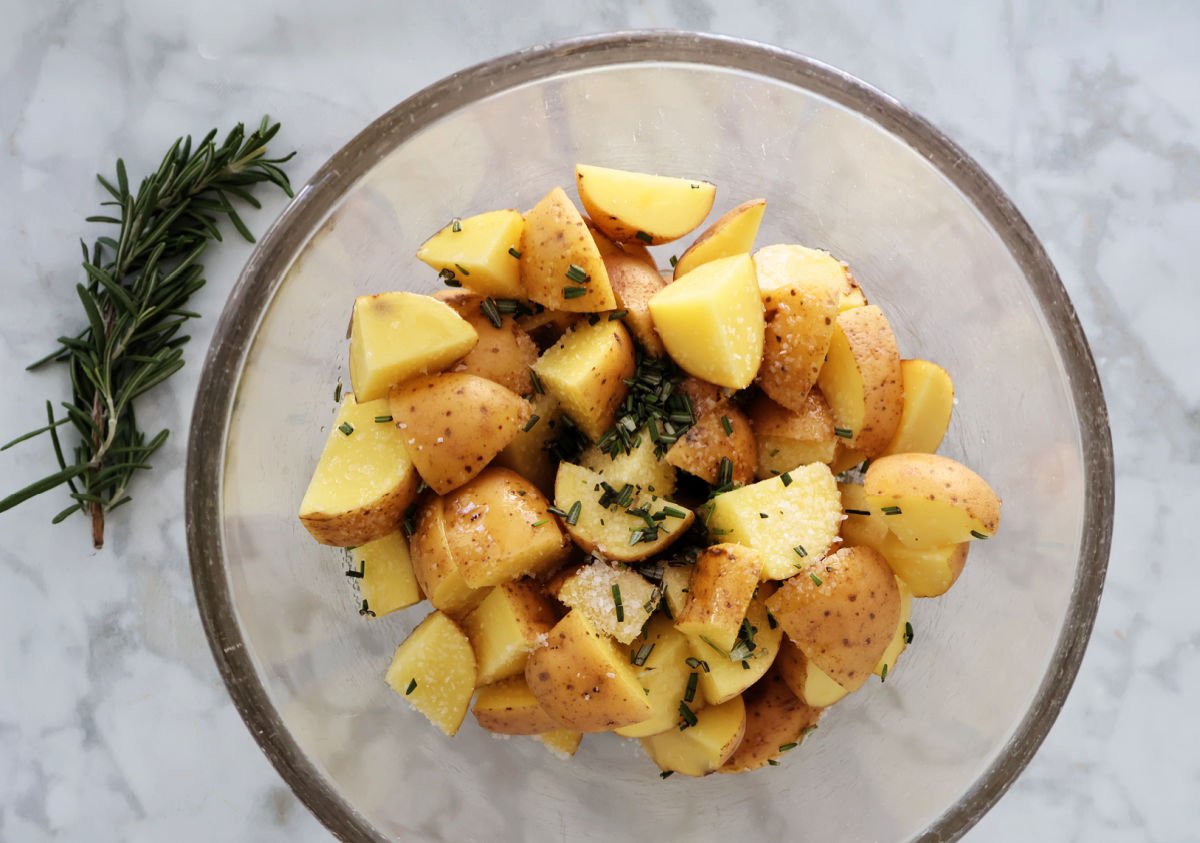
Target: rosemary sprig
134	297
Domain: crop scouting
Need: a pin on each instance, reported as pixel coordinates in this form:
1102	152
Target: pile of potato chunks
702	582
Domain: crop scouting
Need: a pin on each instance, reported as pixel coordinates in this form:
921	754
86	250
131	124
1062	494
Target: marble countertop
114	724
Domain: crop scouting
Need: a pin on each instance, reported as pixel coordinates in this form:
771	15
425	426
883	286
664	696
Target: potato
784	265
932	500
723	678
928	571
803	512
608	246
864	526
386	579
527	454
454	424
562	742
664	674
711	322
842	612
546	327
499	529
776	723
799	332
397	336
586	371
732	234
810	684
846	458
434	671
502	355
723	581
583	681
639	467
886	665
928	403
561	267
653	209
708	443
506	626
434	565
363	481
700	749
786	439
861	380
508	707
702	395
597	589
479	251
634	283
675	587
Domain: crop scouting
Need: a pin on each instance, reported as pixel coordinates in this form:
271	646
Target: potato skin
844	623
774	718
502	355
508	707
719	593
634	283
941	501
365	524
799	330
786	438
607	246
706	443
434	565
863	341
554	238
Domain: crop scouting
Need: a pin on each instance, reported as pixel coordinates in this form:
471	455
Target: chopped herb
574	512
412	686
382	419
574	292
714	646
643	653
512	251
979	535
537	383
694	663
532	421
816	580
462	269
865	464
346	428
617	314
616	593
365	609
666	607
745	665
763	515
674	260
843	432
690	693
635	537
593	318
772	762
554	510
774	452
456	225
576	274
644	237
689	717
337	393
672	512
410	520
771	622
725	472
447	276
488	308
540	522
744	644
360	573
786	747
908	633
890	510
800	551
858	512
786	477
666	774
808	730
727	425
883	674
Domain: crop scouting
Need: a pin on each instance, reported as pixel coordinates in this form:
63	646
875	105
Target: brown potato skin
714	229
502	355
845	624
608	246
774	718
701	449
878	357
434	565
719	592
922	475
634	283
359	526
524	718
799	329
555	236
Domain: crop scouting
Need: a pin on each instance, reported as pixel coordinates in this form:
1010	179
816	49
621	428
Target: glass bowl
844	167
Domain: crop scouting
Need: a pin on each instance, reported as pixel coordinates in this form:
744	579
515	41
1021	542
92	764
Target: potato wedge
478	250
864	526
784	265
932	500
454	424
653	209
664	673
842	612
711	322
634	283
363	481
503	355
799	332
861	380
723	678
562	742
546	327
555	242
586	371
723	582
776	723
615	601
732	234
528	454
785	439
675	587
810	684
505	627
639	467
723	433
434	671
928	571
886	665
386	579
508	707
701	748
803	512
583	681
846	458
607	246
397	336
928	403
434	565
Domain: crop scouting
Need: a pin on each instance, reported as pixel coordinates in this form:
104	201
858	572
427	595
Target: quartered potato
659	659
721	435
639	467
562	742
561	267
386	579
726	673
704	746
811	685
787	438
607	246
615	601
506	626
434	671
931	500
800	329
776	723
887	662
723	582
925	414
732	234
528	454
639	206
435	566
586	371
508	707
503	354
861	380
634	283
784	265
478	252
928	571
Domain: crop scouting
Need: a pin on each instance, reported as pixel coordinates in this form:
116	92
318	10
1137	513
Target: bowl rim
266	269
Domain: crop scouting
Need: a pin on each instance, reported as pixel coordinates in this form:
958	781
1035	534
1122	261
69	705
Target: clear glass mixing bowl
844	167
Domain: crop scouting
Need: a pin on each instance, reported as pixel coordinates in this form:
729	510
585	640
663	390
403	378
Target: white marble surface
113	722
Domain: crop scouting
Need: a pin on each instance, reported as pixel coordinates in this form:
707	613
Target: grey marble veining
113	721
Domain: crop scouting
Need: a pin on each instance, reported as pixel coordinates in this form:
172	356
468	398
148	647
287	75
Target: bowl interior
885	764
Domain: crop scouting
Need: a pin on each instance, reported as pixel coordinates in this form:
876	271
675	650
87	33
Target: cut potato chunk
562	742
675	587
434	671
702	748
931	500
639	206
364	480
499	529
508	707
861	379
502	355
528	453
436	569
803	512
586	371
561	267
640	467
722	677
607	246
386	580
928	571
624	529
799	331
396	336
864	526
454	424
785	265
634	283
723	582
776	723
845	458
786	439
732	234
506	626
583	681
546	327
615	601
886	665
664	673
928	403
842	612
809	683
711	322
721	434
478	251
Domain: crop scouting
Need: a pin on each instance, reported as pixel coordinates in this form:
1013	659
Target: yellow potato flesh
388	582
436	569
505	627
665	675
508	707
700	749
396	336
928	403
786	439
861	379
554	240
898	643
590	591
586	370
655	209
478	252
820	689
675	587
640	467
864	526
562	742
711	322
434	671
726	677
783	265
808	682
928	571
929	500
732	234
527	454
723	582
